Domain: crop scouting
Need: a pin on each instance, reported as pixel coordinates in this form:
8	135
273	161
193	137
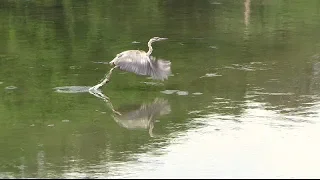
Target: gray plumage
143	117
142	63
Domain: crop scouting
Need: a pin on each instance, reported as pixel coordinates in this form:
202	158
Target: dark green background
46	44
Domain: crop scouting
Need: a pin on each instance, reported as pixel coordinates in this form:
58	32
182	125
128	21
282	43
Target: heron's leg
105	98
105	80
112	108
108	76
151	125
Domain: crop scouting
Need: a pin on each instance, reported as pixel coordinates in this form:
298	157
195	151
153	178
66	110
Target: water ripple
197	93
169	91
253	66
211	75
11	87
153	83
180	93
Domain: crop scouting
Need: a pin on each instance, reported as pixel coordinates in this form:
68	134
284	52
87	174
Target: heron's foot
103	81
94	88
151	126
108	75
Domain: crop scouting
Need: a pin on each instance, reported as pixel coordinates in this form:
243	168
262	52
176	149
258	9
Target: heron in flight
140	63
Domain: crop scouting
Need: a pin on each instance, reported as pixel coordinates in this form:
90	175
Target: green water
243	99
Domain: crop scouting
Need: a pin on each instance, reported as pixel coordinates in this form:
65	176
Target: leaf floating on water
11	87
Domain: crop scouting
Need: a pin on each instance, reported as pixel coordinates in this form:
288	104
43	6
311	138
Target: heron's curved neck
150	48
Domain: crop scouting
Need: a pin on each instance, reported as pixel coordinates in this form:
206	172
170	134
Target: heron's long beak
111	63
161	39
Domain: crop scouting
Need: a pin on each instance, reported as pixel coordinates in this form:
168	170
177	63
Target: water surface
243	100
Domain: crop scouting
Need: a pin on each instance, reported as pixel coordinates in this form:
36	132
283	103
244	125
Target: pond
243	100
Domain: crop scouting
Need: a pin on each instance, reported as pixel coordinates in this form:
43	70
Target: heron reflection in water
139	118
140	63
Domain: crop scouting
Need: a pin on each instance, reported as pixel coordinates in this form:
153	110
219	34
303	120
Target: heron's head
154	39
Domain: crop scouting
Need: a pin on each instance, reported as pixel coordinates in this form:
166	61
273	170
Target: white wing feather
161	68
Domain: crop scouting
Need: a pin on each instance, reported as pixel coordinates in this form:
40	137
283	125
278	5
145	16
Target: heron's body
140	63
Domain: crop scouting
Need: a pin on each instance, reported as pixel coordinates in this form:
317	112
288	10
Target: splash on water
72	89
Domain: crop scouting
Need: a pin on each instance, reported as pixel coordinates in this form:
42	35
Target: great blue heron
141	63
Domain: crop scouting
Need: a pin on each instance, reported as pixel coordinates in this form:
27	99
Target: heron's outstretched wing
139	63
161	68
133	61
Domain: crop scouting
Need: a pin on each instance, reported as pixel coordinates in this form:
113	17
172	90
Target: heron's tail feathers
160	69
